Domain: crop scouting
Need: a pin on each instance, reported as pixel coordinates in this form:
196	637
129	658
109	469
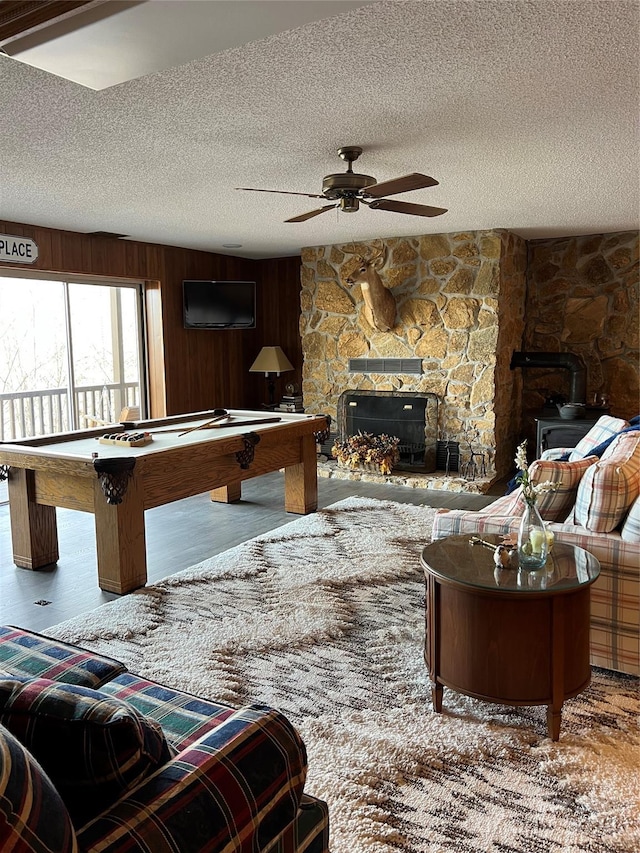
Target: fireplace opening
412	417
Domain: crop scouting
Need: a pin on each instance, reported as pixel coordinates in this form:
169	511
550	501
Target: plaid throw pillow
631	528
93	747
552	505
605	427
33	818
609	487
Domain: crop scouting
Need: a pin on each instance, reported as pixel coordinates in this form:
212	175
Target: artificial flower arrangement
530	491
364	449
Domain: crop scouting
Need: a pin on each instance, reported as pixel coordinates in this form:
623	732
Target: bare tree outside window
33	349
69	355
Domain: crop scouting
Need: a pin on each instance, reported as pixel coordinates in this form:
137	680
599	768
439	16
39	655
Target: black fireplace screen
410	417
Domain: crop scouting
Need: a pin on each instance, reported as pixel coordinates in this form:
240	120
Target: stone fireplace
459	313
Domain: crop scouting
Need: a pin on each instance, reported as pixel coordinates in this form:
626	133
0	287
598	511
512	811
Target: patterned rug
324	619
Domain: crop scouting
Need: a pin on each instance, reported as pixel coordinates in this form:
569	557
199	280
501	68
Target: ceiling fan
348	189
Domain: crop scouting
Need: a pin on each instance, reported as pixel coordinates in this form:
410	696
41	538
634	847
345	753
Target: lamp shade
271	360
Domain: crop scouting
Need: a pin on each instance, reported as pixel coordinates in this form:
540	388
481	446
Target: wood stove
555	432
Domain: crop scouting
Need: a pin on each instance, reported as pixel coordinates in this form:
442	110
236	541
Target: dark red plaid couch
235	781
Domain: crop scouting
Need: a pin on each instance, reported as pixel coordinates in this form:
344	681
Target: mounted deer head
379	304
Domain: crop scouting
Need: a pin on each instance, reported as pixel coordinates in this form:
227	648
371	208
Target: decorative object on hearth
533	546
447	456
475	465
367	451
271	360
331	631
346	190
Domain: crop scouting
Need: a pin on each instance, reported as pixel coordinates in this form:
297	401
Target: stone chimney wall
460	308
507	401
584	296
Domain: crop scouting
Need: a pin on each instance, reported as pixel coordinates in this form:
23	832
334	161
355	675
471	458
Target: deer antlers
371	254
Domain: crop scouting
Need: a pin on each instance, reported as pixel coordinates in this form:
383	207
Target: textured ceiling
525	112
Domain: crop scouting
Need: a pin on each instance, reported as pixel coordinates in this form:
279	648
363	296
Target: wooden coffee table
508	635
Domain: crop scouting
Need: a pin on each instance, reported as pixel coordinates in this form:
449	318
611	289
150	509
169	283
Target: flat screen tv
219	304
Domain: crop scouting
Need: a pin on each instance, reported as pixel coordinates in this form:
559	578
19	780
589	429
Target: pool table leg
34	532
227	494
301	480
120	540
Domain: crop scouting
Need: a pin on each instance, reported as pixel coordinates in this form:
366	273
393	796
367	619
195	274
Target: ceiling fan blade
281	192
407	207
304	216
414	181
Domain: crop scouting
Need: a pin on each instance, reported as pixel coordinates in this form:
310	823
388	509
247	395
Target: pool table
117	484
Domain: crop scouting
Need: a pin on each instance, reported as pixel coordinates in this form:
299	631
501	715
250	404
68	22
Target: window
71	354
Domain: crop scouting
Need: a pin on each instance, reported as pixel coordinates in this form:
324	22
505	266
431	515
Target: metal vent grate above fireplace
385	365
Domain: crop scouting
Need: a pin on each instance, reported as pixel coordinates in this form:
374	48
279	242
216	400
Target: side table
507	635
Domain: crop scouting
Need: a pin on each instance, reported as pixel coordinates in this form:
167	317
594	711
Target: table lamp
271	360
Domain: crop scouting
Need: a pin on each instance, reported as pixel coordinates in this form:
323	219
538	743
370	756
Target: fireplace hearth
411	416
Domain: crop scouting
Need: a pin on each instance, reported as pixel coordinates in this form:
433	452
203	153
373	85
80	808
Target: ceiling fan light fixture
349	205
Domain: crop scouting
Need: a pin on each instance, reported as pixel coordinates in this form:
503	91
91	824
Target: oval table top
463	560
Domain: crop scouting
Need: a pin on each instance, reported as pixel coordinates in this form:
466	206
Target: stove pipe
567	360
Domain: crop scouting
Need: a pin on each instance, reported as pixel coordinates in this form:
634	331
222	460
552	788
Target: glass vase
533	547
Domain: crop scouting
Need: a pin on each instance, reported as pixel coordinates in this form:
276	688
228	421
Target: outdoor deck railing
31	413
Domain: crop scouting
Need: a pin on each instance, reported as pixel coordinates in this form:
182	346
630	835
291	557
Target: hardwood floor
178	536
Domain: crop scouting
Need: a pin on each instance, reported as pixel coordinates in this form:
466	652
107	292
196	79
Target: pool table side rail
166	474
148	425
37	452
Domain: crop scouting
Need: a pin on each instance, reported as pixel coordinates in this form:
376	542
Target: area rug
324	619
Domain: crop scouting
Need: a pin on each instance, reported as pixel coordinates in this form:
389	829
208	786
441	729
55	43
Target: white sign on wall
20	250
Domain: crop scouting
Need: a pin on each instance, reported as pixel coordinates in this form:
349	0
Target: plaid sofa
615	595
234	782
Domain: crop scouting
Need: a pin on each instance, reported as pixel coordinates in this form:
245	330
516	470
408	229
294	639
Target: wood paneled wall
279	306
188	369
